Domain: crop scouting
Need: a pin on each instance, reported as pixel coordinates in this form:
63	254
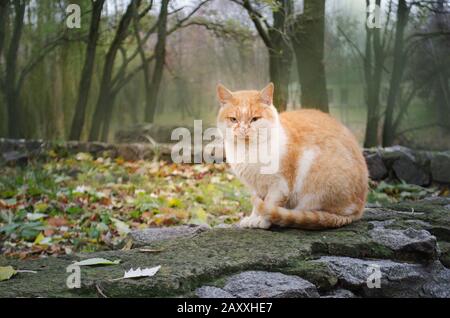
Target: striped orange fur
322	181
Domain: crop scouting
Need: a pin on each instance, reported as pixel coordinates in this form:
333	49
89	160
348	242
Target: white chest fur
254	174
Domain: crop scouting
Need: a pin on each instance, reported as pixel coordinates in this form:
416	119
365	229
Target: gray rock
376	214
396	279
151	235
15	156
381	224
419	223
145	133
442	201
391	154
406	164
417	244
212	292
340	293
223	226
259	284
97	147
440	167
407	170
375	164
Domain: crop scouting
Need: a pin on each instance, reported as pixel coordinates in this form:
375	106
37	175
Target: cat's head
244	113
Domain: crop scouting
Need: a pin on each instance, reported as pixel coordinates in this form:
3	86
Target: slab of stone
413	243
445	253
340	293
440	167
152	235
409	171
260	284
212	292
407	165
376	166
395	279
15	156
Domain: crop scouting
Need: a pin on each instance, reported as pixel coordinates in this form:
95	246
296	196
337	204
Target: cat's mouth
245	138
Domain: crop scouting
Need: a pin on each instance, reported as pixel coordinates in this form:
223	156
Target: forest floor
78	204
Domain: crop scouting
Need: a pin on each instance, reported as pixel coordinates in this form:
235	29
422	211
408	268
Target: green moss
317	273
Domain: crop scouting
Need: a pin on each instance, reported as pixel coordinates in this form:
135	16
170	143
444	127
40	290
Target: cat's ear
223	94
266	94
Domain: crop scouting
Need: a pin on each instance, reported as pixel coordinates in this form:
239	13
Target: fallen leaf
57	221
146	272
96	261
199	217
35	216
49	232
121	227
82	156
6	272
39	238
147	215
174	203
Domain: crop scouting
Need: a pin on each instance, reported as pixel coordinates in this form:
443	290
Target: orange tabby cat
322	177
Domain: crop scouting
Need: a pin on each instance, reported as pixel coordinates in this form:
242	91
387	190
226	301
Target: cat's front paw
254	222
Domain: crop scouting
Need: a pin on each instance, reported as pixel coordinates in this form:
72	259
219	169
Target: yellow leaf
39	238
120	161
174	203
199	216
6	272
83	156
41	207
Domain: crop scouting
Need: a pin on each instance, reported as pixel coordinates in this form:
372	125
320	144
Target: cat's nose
243	130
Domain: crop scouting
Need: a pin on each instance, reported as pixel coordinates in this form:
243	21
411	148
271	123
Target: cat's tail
305	219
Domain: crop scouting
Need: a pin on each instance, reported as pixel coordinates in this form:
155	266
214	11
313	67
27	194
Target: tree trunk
11	93
3	16
146	65
397	73
102	114
279	76
373	69
442	91
308	41
160	57
86	75
280	55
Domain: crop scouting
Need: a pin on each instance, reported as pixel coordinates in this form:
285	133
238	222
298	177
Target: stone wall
394	163
413	166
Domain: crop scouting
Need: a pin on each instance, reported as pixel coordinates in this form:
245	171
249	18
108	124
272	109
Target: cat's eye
255	119
233	119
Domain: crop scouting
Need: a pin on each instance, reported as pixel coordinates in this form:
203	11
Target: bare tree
373	59
102	113
275	39
14	75
86	74
9	85
160	57
399	63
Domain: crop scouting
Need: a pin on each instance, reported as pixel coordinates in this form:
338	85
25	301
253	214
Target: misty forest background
145	61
